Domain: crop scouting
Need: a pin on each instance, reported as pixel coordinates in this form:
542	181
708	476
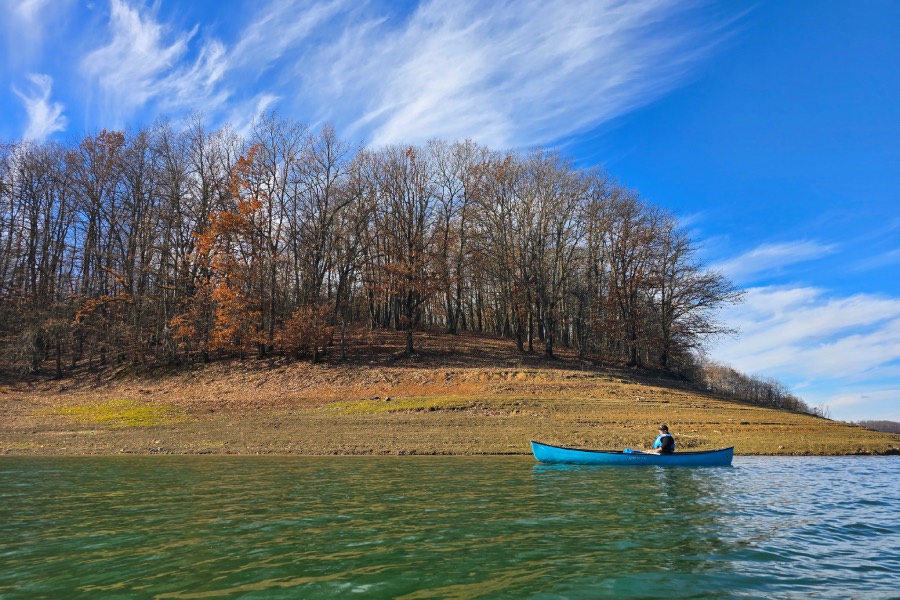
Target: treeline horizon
727	381
166	245
882	426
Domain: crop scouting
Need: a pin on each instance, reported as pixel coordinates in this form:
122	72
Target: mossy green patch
406	404
13	446
123	413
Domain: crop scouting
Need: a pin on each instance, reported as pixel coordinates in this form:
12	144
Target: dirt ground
478	397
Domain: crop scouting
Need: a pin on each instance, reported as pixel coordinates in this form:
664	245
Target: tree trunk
632	347
549	328
530	331
409	341
58	360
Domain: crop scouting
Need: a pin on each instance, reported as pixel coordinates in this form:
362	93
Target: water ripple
214	527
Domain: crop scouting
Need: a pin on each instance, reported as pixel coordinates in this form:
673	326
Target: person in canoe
665	443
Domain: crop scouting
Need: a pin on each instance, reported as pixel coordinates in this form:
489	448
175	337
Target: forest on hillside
168	245
883	426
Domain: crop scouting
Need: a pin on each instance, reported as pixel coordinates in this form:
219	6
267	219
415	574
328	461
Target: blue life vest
668	446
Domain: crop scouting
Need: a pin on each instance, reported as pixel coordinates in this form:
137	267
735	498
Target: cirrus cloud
507	74
44	116
772	257
840	351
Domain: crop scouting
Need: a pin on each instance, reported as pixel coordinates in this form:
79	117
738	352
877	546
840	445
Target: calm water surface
210	527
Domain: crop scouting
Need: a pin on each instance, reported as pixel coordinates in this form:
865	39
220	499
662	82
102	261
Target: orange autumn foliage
221	314
306	330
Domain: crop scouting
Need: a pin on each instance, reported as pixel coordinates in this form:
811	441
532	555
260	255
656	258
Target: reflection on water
203	527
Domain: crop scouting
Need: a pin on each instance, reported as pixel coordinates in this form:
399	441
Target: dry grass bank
463	395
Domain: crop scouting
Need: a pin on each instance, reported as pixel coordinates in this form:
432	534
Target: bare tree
405	210
683	296
169	244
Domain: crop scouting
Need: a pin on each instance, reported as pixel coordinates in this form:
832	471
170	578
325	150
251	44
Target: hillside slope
477	397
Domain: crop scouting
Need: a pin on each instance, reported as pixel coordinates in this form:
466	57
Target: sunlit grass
15	445
123	413
404	404
403	411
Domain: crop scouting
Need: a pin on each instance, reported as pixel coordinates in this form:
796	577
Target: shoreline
298	409
522	456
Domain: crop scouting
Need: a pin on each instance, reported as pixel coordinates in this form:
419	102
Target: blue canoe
555	454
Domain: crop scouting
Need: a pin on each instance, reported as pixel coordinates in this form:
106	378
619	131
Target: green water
212	527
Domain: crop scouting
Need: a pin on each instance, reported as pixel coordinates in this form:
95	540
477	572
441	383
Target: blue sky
769	127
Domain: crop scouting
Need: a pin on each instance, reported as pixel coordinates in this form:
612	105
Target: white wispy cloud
811	334
691	219
151	65
44	116
279	27
891	257
129	68
27	10
243	116
147	61
24	24
769	258
506	74
830	347
195	86
878	403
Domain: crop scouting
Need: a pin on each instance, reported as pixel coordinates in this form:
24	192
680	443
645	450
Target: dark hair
663	428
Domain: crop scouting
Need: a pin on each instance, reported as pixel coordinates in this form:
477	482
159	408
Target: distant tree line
883	426
763	391
172	245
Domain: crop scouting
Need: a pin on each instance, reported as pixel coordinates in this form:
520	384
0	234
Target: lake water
417	527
